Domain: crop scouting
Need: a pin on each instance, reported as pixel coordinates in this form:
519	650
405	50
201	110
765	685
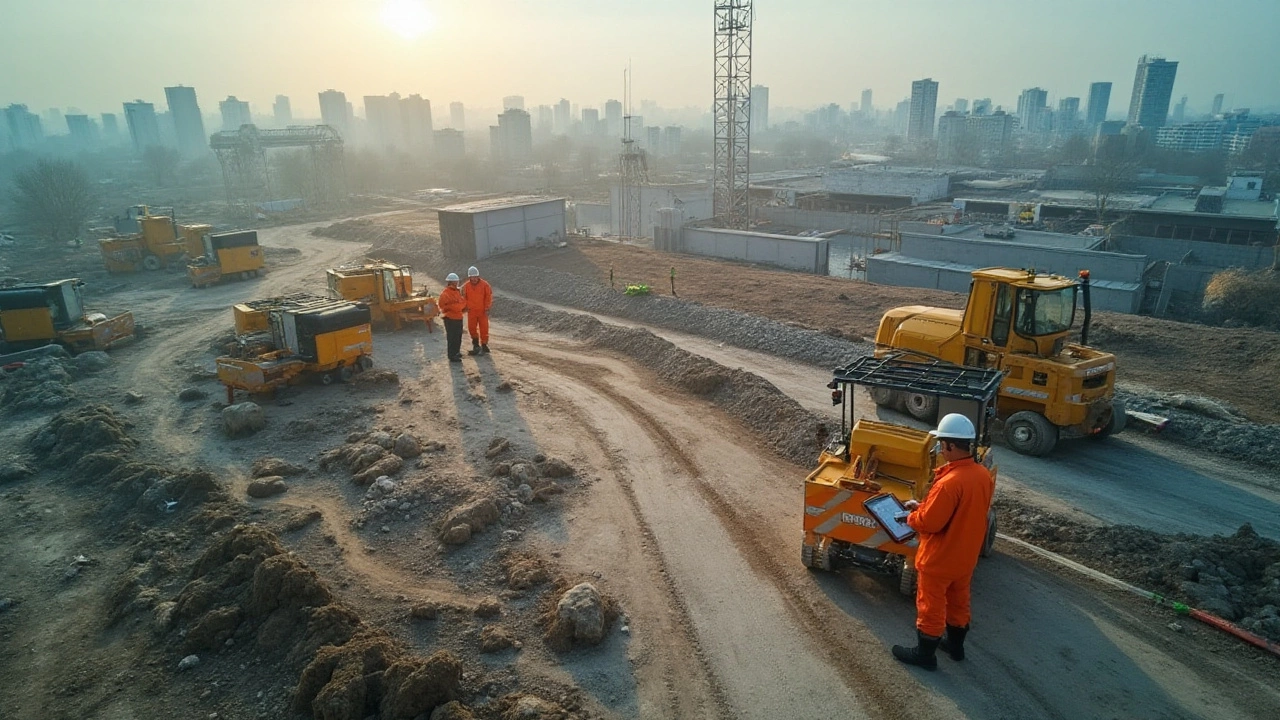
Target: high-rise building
671	141
188	123
759	108
544	124
961	106
1099	98
450	144
965	139
924	110
901	114
866	102
982	106
457	116
1217	103
234	113
590	122
612	118
415	113
563	118
512	137
84	133
1180	111
513	102
283	111
1033	113
24	127
1152	90
144	129
1068	117
651	139
335	112
53	121
110	129
383	122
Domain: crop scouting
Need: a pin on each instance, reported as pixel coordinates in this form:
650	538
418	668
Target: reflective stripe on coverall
478	295
450	303
952	524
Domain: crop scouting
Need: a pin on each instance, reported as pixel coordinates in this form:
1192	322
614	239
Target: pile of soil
1236	577
1209	425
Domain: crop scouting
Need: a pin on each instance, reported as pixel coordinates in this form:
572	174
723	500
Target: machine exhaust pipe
1088	307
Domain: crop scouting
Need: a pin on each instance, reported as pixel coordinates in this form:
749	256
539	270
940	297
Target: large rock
93	361
531	707
415	687
406	446
11	470
390	464
243	418
580	614
191	394
267	466
476	515
267	486
555	468
456	535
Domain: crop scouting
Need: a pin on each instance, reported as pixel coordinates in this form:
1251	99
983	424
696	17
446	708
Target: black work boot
952	642
922	655
475	349
484	349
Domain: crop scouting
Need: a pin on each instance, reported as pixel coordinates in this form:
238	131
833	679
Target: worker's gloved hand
911	504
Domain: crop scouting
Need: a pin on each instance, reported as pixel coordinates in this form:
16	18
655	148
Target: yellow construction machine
1016	321
159	242
387	288
254	316
329	341
226	255
873	466
54	313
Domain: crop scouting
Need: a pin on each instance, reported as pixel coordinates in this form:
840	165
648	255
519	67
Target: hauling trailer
871	458
227	255
54	313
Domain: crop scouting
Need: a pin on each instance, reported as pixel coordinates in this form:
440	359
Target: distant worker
451	307
479	298
673	282
952	526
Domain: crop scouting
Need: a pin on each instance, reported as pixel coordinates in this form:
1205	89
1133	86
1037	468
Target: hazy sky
94	54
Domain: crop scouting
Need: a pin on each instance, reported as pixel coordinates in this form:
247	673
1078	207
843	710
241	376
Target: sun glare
409	19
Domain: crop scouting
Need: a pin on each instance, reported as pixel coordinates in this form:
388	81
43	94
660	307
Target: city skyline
1002	60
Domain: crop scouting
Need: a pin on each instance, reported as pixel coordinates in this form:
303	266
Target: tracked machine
387	288
54	314
871	459
326	340
228	255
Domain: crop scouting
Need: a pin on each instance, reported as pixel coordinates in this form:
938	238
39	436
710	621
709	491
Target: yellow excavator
159	242
872	465
387	288
1017	322
226	255
54	313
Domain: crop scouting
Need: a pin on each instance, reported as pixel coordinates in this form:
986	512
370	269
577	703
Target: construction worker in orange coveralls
479	298
952	526
451	306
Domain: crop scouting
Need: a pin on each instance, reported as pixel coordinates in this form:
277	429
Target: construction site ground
669	467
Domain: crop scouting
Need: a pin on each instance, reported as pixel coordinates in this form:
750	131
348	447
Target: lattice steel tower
732	113
634	169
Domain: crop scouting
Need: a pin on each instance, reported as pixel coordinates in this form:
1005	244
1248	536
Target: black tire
346	372
806	555
1030	433
884	397
907	581
1117	422
151	262
989	542
364	362
326	379
922	407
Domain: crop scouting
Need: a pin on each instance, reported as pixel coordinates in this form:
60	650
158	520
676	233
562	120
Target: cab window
1001	317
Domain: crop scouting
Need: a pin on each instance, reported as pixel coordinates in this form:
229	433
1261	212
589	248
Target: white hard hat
451	277
473	272
955	427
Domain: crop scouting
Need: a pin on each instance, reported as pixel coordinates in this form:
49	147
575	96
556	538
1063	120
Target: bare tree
163	162
1108	176
55	198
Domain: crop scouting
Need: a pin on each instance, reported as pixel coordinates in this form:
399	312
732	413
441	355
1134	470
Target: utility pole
732	113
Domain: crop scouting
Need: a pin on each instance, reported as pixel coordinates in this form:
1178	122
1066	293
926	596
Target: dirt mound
1236	577
522	706
1238	297
72	435
267	466
370	675
1209	425
524	571
365	457
39	384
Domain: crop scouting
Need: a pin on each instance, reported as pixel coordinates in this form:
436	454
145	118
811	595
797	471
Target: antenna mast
732	113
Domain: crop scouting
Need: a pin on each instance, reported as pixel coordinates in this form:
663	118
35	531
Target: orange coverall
450	303
952	525
478	295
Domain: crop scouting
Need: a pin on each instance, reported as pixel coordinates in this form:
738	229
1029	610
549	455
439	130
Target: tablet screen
885	509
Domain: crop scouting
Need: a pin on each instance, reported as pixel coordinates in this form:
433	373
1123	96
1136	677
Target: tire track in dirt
674	597
816	621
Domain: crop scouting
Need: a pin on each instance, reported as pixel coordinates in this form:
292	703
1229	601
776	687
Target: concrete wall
596	217
919	186
818	219
794	253
1203	253
516	228
944	263
693	200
